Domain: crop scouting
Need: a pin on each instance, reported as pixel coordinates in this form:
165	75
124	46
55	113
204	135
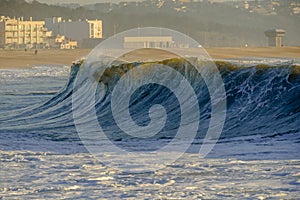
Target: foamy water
44	175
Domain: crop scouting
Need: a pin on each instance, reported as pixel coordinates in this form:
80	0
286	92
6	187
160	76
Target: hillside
210	24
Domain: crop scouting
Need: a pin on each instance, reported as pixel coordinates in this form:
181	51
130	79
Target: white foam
37	71
31	175
252	61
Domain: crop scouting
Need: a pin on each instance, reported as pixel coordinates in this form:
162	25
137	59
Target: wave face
262	101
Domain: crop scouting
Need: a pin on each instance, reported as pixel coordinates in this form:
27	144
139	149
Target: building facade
148	42
61	42
76	30
275	37
17	33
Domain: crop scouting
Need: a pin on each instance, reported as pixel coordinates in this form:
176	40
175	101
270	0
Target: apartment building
17	33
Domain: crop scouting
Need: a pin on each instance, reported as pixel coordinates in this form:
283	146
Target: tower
275	37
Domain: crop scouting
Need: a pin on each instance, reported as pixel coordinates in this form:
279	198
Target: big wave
262	100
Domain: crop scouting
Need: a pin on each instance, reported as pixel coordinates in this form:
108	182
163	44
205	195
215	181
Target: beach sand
22	59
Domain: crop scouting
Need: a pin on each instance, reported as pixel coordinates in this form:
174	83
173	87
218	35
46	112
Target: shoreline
19	59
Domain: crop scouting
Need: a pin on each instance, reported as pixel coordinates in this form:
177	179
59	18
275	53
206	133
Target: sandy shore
281	52
22	59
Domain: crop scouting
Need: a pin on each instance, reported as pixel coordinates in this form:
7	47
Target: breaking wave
262	100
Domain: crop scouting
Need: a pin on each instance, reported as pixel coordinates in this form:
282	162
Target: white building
148	42
61	42
18	33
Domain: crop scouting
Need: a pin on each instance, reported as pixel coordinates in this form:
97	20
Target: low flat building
17	33
149	42
61	42
68	44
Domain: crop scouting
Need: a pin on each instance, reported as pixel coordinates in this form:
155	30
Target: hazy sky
80	1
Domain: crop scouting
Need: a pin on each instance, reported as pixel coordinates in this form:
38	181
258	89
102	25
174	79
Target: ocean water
257	156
